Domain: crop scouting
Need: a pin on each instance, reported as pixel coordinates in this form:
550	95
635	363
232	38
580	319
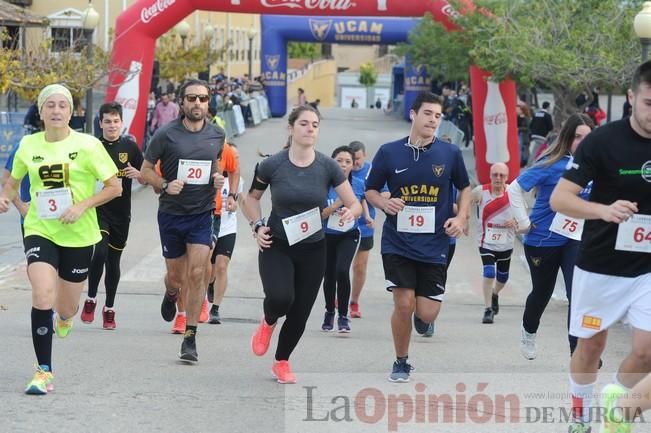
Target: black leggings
105	255
340	250
544	263
291	278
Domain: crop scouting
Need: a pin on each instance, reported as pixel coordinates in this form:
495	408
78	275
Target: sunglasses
193	98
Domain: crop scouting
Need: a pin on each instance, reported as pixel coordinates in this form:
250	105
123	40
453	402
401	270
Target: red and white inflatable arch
138	27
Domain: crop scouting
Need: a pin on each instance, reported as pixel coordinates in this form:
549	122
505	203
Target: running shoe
88	312
189	347
488	315
343	325
328	321
168	306
527	344
108	316
579	427
42	382
495	304
354	311
613	421
430	330
262	337
204	316
420	326
215	319
62	327
400	372
179	324
283	372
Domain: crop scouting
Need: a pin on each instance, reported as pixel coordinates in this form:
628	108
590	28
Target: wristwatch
163	186
234	195
255	225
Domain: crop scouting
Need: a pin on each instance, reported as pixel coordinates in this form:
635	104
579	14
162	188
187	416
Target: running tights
105	256
544	263
291	278
336	282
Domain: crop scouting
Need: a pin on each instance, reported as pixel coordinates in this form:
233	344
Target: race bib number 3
563	225
194	172
417	219
635	234
302	226
336	223
52	203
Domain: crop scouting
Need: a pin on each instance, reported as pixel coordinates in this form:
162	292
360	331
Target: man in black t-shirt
113	217
612	278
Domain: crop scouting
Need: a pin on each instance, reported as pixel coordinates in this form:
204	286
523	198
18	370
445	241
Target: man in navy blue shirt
419	171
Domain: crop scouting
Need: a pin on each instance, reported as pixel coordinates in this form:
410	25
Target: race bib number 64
635	234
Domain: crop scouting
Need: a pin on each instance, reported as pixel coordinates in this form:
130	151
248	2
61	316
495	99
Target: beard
195	115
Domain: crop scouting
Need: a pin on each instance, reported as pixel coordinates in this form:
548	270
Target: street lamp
89	24
253	32
209	33
642	25
183	28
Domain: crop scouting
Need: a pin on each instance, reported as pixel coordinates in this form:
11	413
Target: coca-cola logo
495	119
449	11
335	5
148	13
128	103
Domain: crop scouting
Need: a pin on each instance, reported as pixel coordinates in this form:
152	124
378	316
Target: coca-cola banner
495	124
278	30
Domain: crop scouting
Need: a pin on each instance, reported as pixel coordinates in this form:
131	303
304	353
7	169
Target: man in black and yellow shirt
113	217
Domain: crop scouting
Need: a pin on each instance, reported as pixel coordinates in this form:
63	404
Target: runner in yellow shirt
61	224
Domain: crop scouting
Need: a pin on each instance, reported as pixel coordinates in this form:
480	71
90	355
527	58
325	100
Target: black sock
190	331
42	330
215	307
402	358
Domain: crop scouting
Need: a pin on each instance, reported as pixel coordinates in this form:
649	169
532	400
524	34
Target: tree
567	47
367	75
303	50
178	62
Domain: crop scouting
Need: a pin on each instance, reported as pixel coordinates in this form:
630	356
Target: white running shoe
528	345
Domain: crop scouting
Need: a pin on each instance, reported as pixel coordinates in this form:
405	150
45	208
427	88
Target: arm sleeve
137	156
18	168
581	170
460	174
100	162
518	208
532	177
264	170
377	177
155	148
228	162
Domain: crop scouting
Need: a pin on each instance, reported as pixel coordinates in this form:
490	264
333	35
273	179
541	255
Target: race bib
635	234
302	226
569	227
194	172
417	219
51	203
497	235
335	222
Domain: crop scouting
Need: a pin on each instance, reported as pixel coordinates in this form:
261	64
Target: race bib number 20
194	172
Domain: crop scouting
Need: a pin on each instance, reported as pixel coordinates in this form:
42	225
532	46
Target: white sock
582	396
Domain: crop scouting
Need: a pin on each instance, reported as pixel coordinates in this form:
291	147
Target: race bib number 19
302	226
417	219
635	234
194	172
51	203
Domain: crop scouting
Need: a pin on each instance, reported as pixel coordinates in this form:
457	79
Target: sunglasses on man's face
193	98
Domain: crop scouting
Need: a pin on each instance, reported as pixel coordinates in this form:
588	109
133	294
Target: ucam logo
148	13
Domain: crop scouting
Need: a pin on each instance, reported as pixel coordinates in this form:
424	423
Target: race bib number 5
194	172
417	219
52	203
563	225
335	222
302	226
635	234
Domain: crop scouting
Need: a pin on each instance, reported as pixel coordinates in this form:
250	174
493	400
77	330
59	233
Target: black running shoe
189	348
488	316
211	292
495	304
420	326
168	306
214	316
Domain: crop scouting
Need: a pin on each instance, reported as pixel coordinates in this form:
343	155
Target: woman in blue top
551	240
342	239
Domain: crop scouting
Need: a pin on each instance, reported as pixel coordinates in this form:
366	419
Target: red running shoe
354	311
262	337
88	312
283	372
109	318
204	316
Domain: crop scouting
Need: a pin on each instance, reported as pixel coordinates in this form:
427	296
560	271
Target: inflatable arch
138	27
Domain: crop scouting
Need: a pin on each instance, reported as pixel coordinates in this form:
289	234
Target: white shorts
599	301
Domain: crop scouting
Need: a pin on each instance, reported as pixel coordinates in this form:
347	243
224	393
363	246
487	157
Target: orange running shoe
203	316
283	372
179	324
262	337
354	311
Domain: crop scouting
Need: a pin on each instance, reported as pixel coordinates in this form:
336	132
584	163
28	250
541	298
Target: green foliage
367	75
178	62
303	50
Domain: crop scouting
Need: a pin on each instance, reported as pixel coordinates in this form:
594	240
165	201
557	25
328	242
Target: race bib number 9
417	219
302	226
635	234
51	203
335	222
563	225
194	172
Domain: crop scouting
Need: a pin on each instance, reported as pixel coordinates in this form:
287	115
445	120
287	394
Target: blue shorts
176	231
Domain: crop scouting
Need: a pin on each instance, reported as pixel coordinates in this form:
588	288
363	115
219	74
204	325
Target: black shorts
427	279
117	230
490	258
176	231
365	244
71	263
216	224
225	245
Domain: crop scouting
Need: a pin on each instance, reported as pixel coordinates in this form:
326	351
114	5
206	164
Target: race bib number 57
635	234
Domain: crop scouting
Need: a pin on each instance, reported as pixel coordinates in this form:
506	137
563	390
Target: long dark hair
295	114
347	150
563	143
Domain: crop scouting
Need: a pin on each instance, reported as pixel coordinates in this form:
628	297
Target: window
65	38
13	38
